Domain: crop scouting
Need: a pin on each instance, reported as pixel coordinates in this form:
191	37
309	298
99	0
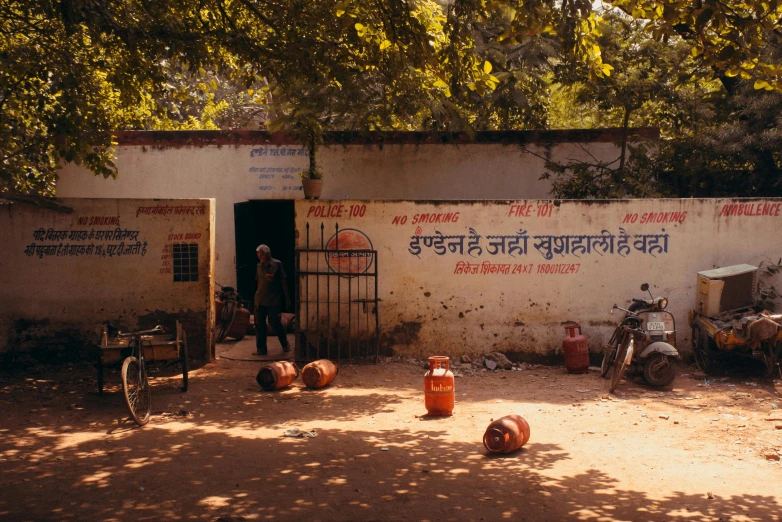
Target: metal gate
337	303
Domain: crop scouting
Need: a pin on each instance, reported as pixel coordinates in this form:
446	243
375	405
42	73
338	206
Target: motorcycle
642	341
231	314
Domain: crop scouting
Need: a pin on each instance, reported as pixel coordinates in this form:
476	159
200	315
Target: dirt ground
703	450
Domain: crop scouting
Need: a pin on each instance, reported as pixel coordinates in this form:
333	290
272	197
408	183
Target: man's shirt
270	278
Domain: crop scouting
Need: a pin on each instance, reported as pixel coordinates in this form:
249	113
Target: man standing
272	287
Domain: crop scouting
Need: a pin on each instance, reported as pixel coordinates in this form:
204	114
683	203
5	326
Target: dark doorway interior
271	222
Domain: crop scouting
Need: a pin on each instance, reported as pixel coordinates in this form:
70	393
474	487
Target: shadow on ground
68	454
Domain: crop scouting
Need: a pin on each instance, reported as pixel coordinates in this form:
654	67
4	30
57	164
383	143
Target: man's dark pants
273	313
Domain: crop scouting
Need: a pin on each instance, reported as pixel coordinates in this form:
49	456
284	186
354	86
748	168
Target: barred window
185	262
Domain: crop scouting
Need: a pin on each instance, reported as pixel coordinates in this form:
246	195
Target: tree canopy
73	71
720	135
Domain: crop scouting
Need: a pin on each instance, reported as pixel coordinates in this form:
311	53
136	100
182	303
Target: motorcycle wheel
659	369
623	358
609	352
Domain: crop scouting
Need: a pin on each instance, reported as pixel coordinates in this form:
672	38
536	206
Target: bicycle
624	353
232	317
135	384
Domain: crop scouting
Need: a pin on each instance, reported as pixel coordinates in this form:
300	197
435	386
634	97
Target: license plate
655	325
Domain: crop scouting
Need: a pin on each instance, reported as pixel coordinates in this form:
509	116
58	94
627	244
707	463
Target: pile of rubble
494	361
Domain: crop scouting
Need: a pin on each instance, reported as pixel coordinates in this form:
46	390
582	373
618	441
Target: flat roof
253	137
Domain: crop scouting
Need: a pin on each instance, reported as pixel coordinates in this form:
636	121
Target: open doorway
270	222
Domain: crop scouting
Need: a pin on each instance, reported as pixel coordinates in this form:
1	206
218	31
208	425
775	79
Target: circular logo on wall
347	257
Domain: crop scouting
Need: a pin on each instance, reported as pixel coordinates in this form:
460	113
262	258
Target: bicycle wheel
225	321
183	360
623	358
608	358
136	389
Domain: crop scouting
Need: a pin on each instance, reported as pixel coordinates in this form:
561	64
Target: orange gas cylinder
318	374
576	349
506	434
277	375
439	386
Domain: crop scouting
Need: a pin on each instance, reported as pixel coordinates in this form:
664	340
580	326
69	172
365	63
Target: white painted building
478	276
421	206
235	167
129	263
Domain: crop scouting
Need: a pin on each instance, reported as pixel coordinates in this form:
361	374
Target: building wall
236	167
65	275
450	282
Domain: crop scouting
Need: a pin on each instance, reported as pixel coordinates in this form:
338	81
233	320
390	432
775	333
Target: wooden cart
714	337
166	347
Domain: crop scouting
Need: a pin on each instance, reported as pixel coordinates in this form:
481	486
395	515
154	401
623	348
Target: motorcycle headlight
663	303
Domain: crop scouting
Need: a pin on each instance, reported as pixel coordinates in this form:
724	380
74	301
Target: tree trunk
619	175
312	149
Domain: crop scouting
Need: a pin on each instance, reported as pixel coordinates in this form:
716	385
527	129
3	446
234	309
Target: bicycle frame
142	362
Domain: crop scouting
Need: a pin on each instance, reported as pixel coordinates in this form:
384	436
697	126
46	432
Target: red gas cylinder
439	395
318	374
506	434
576	350
277	375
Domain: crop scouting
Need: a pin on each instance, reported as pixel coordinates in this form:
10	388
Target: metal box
726	288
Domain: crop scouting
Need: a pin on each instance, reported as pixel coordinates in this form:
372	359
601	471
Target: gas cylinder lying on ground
277	375
439	393
318	374
506	434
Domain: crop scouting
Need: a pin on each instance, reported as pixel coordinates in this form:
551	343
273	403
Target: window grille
185	257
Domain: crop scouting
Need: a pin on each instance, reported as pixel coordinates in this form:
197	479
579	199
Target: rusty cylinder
318	374
439	393
277	375
506	434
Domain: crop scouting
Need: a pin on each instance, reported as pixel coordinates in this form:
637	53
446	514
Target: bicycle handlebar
625	310
156	330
